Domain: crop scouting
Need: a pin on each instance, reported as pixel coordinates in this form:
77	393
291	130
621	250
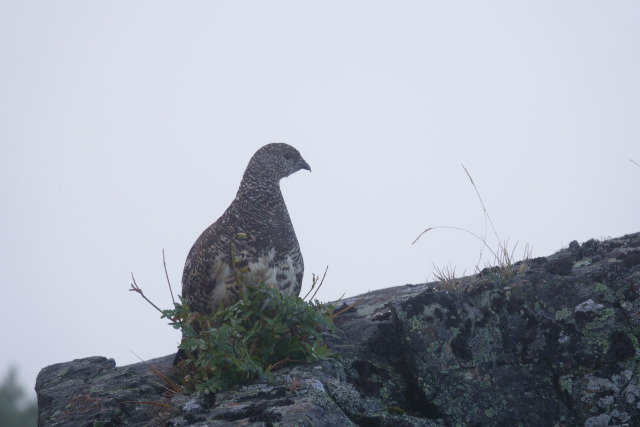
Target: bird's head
276	161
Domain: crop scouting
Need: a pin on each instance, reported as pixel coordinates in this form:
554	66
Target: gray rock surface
555	345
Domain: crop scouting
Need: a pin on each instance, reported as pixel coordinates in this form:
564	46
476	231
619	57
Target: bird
252	242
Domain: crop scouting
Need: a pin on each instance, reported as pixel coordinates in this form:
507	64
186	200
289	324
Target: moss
563	314
597	333
417	324
566	383
582	263
540	305
484	342
600	287
607	292
366	310
434	347
634	341
62	372
396	410
606	314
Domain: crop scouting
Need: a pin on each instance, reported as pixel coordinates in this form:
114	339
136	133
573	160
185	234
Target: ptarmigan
252	242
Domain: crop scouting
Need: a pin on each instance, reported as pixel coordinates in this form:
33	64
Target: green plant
258	334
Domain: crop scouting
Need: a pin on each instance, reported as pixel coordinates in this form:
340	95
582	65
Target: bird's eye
287	156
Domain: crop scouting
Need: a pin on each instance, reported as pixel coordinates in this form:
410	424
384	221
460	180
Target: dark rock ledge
558	345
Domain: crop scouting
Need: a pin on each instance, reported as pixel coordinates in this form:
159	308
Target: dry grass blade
486	213
280	363
502	256
446	274
526	259
483	240
425	231
358	301
174	386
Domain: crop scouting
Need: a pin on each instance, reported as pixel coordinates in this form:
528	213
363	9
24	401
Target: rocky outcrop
556	344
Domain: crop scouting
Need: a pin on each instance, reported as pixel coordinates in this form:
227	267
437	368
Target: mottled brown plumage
252	242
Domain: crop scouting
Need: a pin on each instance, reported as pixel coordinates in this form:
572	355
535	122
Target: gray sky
126	127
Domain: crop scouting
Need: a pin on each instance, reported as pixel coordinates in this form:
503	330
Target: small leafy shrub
253	337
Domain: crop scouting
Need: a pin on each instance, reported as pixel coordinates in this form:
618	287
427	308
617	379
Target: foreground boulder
554	342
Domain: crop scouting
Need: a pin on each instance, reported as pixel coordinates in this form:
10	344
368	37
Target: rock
556	344
84	391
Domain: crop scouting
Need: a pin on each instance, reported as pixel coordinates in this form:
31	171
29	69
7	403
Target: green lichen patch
563	314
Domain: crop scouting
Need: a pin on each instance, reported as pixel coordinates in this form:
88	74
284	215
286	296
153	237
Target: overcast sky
126	126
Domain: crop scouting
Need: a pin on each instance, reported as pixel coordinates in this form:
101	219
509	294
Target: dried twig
136	288
321	282
634	162
313	284
167	276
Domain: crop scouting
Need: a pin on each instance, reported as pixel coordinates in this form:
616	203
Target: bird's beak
303	165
